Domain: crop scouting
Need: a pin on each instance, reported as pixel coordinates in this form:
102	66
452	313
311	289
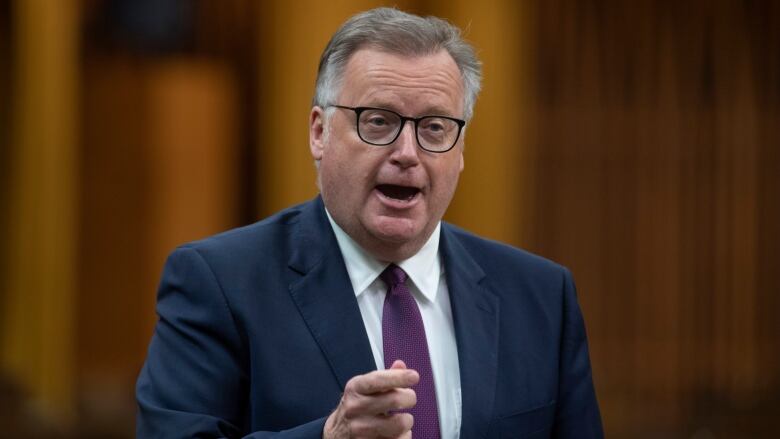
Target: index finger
384	380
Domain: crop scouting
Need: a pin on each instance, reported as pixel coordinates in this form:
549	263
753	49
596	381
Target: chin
396	230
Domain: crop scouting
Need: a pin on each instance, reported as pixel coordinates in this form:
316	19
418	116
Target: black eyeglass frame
416	120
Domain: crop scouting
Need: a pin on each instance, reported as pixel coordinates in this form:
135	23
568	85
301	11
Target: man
360	314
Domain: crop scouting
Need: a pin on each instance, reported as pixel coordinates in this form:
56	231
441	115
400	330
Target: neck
384	250
391	252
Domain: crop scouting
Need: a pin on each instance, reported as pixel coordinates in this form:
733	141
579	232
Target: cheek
448	178
348	173
452	184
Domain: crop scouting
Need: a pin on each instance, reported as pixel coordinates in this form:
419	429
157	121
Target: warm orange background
635	142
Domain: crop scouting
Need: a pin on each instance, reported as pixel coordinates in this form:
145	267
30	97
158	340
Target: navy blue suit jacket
259	331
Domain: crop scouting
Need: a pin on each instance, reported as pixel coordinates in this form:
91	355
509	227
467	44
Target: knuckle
351	407
363	384
396	400
406	398
352	384
354	429
412	398
362	429
399	423
379	429
407	421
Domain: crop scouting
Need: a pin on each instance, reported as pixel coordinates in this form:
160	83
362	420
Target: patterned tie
403	337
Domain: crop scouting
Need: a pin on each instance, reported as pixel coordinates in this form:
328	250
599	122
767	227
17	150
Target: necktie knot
393	276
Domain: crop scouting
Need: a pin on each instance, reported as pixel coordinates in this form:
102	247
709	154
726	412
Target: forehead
409	84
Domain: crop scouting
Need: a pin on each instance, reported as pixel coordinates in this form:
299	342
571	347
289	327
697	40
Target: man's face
389	198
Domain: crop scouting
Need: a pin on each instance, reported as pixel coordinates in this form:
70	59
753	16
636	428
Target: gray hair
396	32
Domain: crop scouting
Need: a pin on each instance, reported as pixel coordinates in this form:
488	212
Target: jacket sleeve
194	382
577	414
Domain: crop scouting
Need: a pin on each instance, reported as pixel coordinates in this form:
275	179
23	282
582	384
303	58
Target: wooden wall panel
160	169
5	137
657	185
37	325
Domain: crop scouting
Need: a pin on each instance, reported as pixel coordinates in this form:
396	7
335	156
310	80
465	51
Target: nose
405	150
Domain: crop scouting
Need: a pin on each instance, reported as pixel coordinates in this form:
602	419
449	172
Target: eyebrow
434	110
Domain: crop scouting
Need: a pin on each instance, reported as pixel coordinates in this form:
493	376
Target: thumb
398	364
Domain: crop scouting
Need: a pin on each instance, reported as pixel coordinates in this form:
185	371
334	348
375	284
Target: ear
460	152
316	132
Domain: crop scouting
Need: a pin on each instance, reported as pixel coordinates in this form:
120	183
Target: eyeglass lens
381	127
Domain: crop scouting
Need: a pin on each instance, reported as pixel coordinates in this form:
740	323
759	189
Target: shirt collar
424	268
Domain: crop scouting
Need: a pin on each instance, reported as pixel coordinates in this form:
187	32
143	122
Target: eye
377	120
433	125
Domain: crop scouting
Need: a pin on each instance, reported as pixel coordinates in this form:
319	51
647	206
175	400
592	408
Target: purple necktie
403	337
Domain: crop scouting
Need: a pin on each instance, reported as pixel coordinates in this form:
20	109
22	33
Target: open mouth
401	193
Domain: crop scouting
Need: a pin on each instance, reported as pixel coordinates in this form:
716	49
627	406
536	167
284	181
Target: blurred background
637	142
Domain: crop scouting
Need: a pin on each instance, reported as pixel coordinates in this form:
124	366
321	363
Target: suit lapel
324	296
475	313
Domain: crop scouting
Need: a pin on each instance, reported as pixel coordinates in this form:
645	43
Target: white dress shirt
429	288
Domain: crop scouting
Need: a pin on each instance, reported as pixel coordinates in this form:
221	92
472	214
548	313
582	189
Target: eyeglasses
377	126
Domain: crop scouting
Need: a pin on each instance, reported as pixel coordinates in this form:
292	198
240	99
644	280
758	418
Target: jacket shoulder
263	234
499	258
241	255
